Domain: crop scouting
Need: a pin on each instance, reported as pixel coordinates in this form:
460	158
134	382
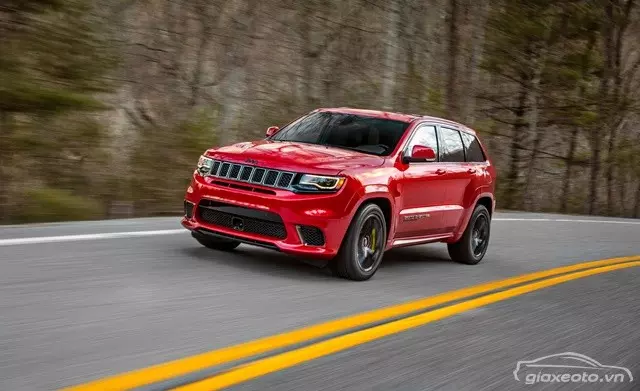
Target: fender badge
416	217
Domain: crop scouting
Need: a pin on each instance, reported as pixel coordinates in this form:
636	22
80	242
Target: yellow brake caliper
373	240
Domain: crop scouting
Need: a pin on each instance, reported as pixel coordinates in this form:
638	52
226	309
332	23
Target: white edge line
137	234
98	236
569	221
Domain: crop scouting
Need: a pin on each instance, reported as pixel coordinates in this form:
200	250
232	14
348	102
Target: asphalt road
100	298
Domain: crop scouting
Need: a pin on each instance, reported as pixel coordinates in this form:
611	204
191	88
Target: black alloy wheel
363	245
368	247
473	244
480	236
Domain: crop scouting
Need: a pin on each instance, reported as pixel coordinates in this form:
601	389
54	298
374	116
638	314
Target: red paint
424	153
430	201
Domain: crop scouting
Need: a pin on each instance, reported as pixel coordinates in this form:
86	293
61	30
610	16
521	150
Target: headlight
204	165
322	183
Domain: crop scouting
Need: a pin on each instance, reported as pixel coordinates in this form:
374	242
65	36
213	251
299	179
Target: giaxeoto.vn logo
569	367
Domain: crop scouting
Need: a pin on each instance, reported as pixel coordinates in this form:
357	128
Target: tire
350	263
467	250
216	243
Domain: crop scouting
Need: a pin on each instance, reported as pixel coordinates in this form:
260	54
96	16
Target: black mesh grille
246	173
311	235
235	170
188	209
258	174
214	169
285	179
270	180
224	169
241	223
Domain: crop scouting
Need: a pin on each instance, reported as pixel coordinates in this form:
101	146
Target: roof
373	113
394	116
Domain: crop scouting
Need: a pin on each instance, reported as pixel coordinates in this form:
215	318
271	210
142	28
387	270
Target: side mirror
420	153
271	130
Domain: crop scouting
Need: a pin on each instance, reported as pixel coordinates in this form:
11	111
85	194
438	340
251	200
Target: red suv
346	185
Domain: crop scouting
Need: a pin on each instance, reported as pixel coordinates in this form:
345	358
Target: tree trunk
539	62
636	213
604	108
391	54
623	193
477	50
205	35
596	151
514	185
568	174
573	138
307	57
5	164
452	75
405	95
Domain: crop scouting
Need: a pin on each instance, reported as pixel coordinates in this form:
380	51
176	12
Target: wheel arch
486	199
384	201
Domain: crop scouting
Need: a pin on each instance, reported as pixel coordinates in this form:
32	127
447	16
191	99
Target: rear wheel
363	246
473	244
216	243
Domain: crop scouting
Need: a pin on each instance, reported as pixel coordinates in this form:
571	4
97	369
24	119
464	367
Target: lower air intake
311	236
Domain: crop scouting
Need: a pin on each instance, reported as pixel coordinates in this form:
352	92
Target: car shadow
403	257
268	262
261	261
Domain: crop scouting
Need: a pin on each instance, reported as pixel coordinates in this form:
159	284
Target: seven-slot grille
252	174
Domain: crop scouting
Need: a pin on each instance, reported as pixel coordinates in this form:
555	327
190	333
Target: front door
421	210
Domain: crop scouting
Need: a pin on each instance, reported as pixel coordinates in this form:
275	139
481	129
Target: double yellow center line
517	286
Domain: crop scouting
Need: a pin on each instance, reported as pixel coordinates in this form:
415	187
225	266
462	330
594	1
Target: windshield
376	136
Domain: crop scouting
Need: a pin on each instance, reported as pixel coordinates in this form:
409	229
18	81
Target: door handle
471	171
441	171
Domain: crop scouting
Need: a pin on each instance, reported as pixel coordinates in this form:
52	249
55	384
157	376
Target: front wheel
215	243
473	244
363	246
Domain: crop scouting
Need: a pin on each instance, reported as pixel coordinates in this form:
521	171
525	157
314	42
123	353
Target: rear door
476	165
457	177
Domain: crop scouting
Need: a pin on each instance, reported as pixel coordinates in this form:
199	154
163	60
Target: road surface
81	301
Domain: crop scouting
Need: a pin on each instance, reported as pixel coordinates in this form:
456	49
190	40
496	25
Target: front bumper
331	213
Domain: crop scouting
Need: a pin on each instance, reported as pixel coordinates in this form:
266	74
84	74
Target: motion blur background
106	105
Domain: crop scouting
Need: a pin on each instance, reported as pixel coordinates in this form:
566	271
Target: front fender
372	192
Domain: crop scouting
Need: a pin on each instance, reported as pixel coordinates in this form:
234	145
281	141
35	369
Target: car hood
298	157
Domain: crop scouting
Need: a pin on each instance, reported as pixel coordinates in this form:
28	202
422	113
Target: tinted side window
452	147
472	146
424	135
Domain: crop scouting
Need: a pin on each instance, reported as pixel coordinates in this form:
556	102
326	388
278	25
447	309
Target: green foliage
54	59
26	96
197	133
165	158
434	102
50	204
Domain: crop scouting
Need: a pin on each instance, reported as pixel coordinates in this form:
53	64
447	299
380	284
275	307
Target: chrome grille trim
224	169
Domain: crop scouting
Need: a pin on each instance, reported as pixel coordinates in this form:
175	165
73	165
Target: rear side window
452	149
473	149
